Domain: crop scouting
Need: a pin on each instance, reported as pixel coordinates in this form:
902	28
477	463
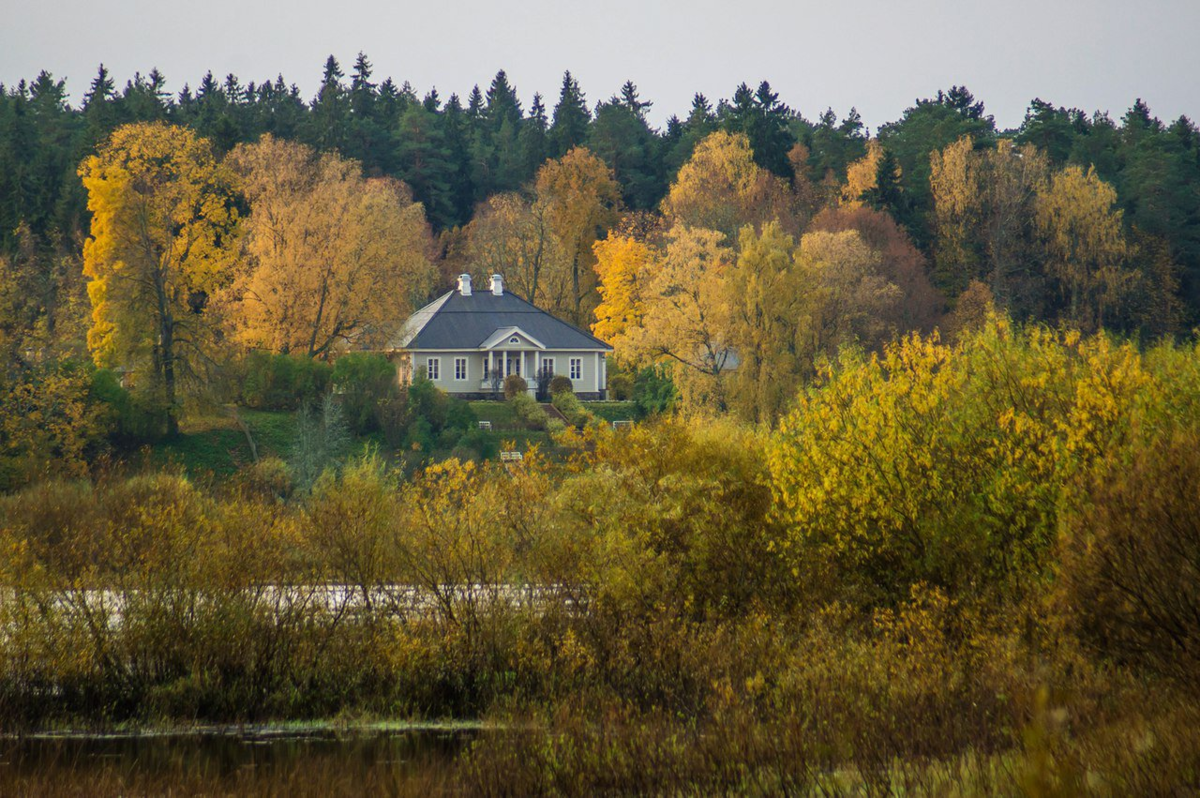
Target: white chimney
464	284
497	285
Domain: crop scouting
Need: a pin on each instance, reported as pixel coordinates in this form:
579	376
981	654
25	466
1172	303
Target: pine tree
571	117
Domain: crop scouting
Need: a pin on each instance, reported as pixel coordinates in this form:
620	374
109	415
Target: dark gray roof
454	321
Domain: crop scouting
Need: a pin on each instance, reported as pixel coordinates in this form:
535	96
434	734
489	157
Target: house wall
591	384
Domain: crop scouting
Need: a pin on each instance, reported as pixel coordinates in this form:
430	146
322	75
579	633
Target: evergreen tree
571	117
327	122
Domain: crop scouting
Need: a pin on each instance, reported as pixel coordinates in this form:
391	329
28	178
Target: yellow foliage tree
790	307
162	222
622	264
685	321
334	258
862	176
955	183
1085	244
721	188
581	200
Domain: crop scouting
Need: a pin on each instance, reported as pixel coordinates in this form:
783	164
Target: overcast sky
878	55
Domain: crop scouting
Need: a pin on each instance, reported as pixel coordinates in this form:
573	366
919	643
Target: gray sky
878	55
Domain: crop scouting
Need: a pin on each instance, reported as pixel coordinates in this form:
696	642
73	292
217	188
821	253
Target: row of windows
433	367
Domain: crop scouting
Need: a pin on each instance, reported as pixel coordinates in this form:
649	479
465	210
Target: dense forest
910	504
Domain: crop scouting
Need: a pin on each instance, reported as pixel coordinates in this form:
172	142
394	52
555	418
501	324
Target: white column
597	372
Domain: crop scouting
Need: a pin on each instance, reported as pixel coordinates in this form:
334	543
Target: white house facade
467	342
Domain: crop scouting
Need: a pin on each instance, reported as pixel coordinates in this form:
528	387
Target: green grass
499	413
274	431
216	445
206	445
612	411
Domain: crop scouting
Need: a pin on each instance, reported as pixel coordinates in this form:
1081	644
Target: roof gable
504	337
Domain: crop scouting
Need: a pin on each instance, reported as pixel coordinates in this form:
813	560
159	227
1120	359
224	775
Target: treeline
964	569
455	153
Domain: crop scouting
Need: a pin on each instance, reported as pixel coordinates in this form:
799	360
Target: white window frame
433	368
514	340
466	369
552	362
575	366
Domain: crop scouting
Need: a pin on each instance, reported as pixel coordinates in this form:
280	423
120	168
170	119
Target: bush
283	382
514	384
653	392
544	379
269	478
1131	560
366	383
569	405
528	411
561	384
132	424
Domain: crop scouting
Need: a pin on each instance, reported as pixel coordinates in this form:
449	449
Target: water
257	761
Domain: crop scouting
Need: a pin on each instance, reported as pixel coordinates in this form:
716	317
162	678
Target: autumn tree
162	221
954	181
581	202
685	318
789	307
512	236
900	262
623	264
983	221
1085	244
721	188
333	258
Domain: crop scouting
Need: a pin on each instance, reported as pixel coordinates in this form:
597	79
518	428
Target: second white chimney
497	285
464	284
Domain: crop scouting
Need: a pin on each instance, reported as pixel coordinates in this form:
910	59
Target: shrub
528	411
569	405
560	384
50	423
365	382
514	385
283	382
544	380
132	423
322	439
269	478
1131	560
653	392
948	465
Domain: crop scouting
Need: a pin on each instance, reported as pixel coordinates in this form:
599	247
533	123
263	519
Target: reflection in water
258	762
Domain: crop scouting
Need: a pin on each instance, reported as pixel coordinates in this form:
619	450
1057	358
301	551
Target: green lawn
274	431
213	444
612	411
499	413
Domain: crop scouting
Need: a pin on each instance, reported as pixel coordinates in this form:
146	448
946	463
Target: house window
433	368
514	340
460	368
548	365
487	367
576	368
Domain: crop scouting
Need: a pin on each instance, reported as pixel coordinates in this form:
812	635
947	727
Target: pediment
511	338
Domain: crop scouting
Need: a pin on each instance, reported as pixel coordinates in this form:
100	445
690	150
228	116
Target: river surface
265	760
